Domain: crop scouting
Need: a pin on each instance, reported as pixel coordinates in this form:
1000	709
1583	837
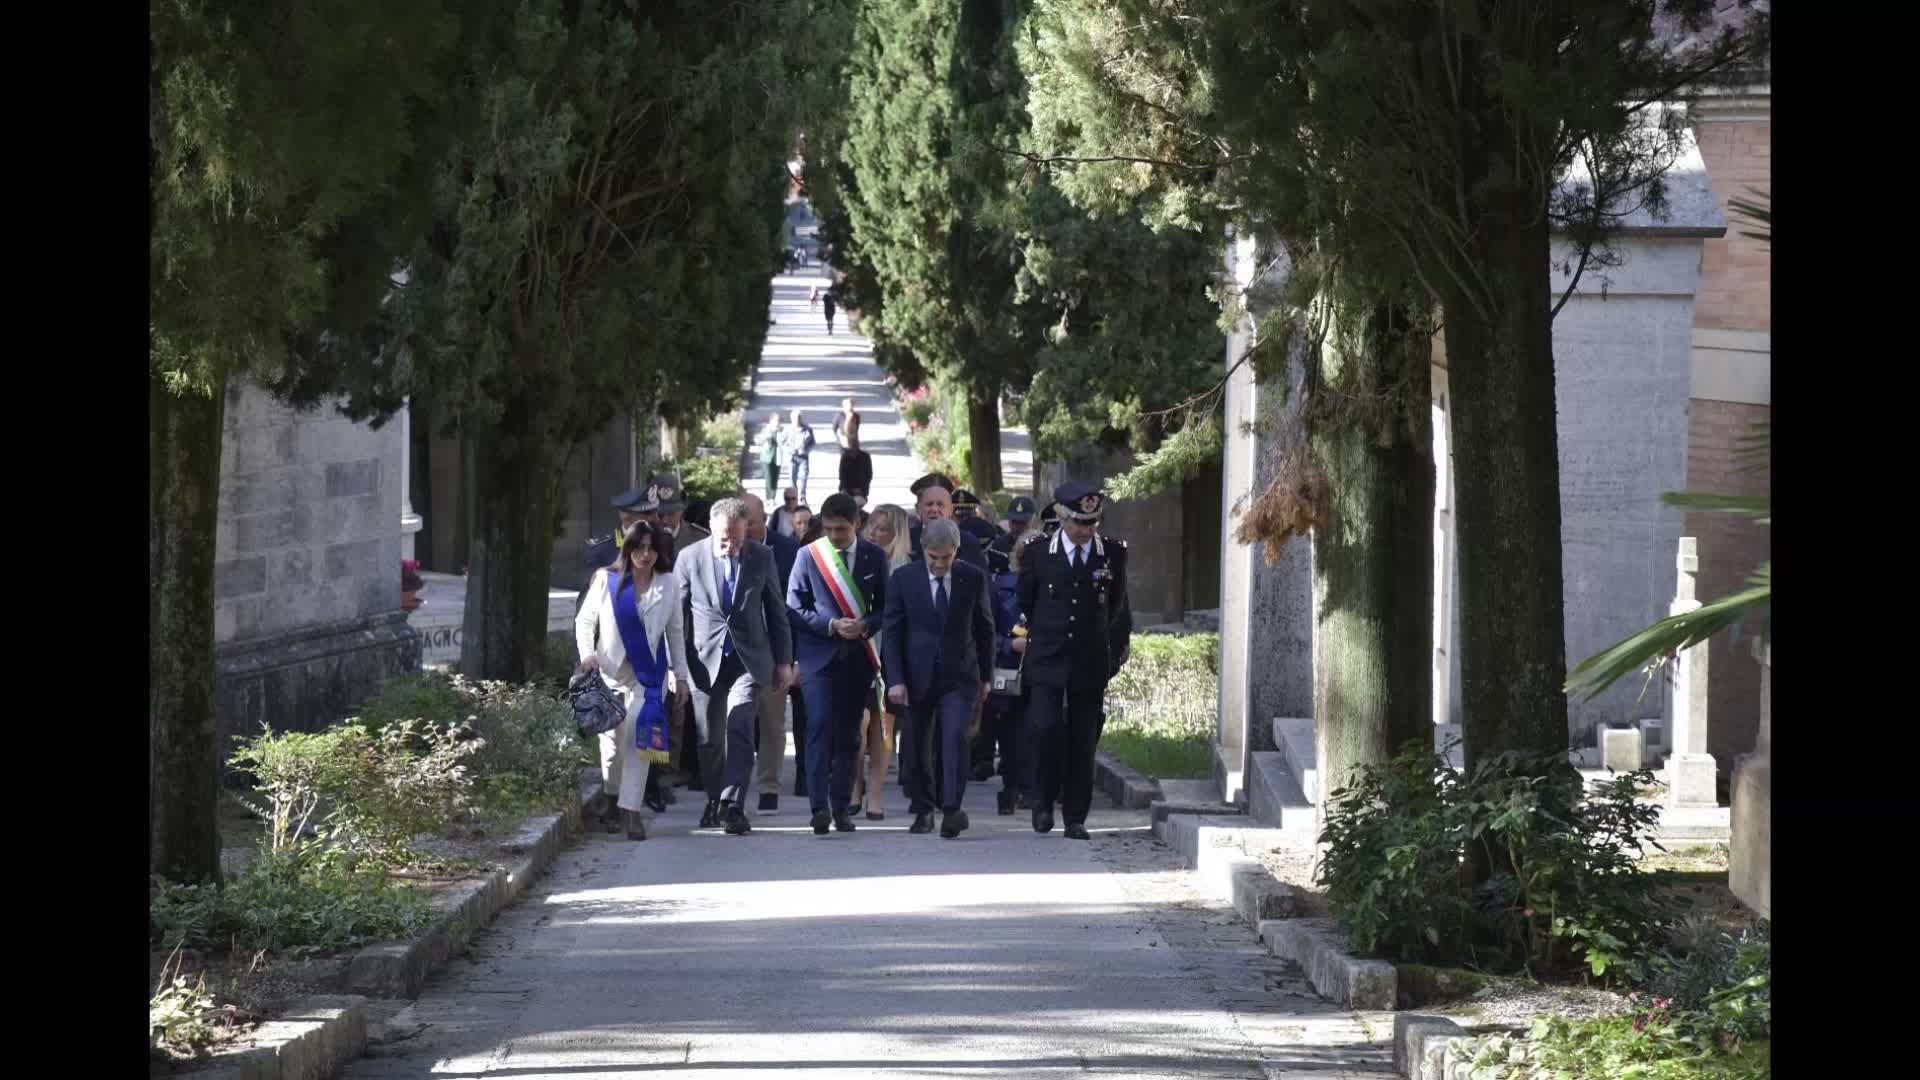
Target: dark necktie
1079	557
940	597
726	605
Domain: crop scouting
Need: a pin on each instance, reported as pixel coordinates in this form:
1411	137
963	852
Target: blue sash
649	667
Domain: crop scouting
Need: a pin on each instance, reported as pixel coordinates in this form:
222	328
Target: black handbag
596	708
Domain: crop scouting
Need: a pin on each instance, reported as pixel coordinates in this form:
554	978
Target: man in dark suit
934	501
1073	591
738	641
770	743
837	591
938	656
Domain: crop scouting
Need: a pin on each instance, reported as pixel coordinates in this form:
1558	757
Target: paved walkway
805	368
874	954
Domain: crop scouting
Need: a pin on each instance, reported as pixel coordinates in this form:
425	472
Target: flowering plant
410	580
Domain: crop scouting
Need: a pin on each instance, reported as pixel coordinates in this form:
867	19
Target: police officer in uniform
1073	591
1019	516
599	550
670	502
966	514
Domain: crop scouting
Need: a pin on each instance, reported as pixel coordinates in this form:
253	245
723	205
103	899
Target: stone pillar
1266	612
410	522
1690	769
1750	874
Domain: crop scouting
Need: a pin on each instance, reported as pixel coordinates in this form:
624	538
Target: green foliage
1565	886
287	906
708	477
284	158
431	696
727	431
380	787
943	443
528	743
1161	707
181	1016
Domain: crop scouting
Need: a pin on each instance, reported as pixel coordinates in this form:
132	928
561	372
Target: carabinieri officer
1073	591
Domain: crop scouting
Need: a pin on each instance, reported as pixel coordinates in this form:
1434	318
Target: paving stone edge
1128	789
400	970
316	1037
1423	1049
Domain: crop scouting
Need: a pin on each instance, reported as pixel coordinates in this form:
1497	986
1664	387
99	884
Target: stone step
1214	844
1190	797
1293	736
1274	798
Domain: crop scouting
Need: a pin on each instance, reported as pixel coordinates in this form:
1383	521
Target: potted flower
410	584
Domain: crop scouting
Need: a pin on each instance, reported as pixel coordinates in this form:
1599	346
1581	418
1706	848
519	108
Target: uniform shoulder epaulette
1115	541
1031	537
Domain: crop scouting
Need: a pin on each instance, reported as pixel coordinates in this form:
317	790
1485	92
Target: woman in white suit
629	628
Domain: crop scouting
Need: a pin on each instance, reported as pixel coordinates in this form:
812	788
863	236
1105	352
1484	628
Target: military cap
637	501
1080	502
965	503
667	494
932	479
1020	509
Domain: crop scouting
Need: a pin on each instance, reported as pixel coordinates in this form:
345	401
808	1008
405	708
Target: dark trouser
835	698
1066	725
772	470
939	719
1008	725
799	740
726	717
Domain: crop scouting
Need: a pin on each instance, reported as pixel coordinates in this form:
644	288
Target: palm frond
1759	506
1758	210
1675	632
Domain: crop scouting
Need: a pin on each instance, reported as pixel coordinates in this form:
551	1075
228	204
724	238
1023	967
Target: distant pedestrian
770	453
856	465
826	302
798	442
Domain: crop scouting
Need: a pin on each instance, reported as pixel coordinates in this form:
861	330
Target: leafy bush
917	412
705	479
180	1016
379	788
428	695
531	751
728	432
557	661
1565	884
292	907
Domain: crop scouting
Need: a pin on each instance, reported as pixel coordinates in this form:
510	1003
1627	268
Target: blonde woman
629	629
887	527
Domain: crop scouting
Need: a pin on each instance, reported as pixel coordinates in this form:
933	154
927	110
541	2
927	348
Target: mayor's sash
847	594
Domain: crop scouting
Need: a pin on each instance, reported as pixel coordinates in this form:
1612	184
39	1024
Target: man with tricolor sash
837	593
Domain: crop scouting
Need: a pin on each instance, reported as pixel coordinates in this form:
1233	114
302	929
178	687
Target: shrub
917	413
705	479
285	906
531	751
180	1016
1169	671
428	695
1565	883
728	432
378	788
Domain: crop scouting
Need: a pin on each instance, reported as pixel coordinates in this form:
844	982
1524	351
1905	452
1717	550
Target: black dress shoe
656	804
737	823
1043	819
952	824
983	772
1003	802
843	821
1077	831
636	825
1023	801
821	819
922	822
710	817
876	814
769	804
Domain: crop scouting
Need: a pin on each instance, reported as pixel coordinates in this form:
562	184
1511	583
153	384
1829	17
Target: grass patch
1162	757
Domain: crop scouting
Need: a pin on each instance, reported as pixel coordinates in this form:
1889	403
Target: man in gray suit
738	641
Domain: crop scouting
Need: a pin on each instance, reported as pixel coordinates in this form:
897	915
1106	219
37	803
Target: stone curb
1335	973
1258	895
400	970
1421	1046
316	1037
1128	789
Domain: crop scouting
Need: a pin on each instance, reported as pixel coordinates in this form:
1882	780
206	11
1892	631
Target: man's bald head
756	517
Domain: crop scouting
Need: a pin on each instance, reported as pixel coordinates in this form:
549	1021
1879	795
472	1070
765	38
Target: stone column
1750	875
1690	769
410	522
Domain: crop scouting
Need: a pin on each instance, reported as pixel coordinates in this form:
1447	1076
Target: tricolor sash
853	603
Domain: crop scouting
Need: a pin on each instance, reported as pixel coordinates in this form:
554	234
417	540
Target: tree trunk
183	768
983	436
1513	650
510	554
1373	582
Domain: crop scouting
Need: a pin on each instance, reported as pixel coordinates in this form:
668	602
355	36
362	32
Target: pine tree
286	151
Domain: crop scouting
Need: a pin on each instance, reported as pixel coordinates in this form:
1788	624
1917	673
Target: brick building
1731	390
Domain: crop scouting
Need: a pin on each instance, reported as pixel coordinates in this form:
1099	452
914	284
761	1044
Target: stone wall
1622	361
307	616
597	470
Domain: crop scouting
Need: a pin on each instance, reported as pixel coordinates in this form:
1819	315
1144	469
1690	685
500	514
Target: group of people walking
934	630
